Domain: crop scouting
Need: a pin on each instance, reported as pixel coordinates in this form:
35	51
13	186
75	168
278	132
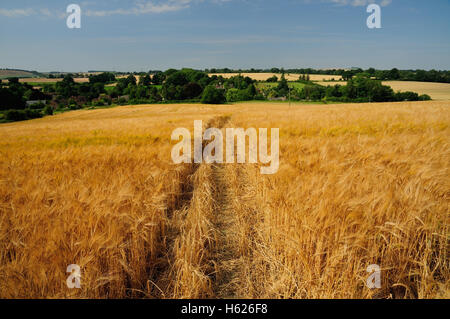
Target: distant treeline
442	76
383	75
20	101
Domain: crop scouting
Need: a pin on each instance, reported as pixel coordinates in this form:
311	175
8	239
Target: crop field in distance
357	185
296	85
437	91
289	77
4	74
49	80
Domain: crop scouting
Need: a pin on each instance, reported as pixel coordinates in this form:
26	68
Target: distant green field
109	89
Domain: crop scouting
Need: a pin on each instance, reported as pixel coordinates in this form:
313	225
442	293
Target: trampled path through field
226	257
204	258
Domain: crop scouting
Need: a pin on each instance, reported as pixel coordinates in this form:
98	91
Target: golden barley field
358	184
437	91
47	80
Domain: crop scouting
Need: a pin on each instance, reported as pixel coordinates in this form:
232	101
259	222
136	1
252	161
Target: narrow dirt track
234	195
208	228
226	257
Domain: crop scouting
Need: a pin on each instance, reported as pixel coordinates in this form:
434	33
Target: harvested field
47	80
289	77
437	91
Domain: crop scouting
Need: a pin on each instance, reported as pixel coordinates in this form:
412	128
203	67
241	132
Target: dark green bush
212	95
37	106
16	115
406	96
22	115
48	110
424	97
32	114
98	103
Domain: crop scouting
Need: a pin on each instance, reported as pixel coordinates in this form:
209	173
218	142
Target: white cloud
153	6
46	12
360	3
140	7
143	7
17	12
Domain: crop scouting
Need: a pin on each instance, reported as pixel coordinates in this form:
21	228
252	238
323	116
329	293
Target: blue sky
140	35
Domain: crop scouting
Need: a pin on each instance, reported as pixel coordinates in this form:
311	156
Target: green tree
13	80
275	70
232	95
158	78
212	95
176	78
48	110
154	94
406	96
371	71
145	80
131	79
394	74
141	92
103	77
191	90
283	87
347	75
424	97
169	92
